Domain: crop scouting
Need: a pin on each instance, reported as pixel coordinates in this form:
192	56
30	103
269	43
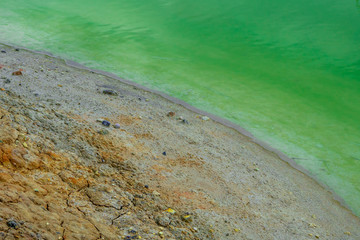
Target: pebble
185	121
205	118
103	132
16	49
170	210
106	123
187	218
12	224
3	51
100	120
110	92
117	125
156	193
17	73
163	221
164	153
171	114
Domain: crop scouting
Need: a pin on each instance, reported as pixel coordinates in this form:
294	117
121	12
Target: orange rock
79	182
5	177
17	73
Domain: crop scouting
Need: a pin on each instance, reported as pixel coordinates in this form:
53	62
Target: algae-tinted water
287	71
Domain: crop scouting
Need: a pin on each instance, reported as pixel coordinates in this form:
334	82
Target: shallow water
287	71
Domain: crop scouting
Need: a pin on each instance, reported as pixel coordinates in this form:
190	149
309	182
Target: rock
163	221
164	153
205	118
3	51
106	123
16	49
156	193
12	224
103	132
117	125
110	92
17	73
170	210
100	120
187	218
170	114
185	121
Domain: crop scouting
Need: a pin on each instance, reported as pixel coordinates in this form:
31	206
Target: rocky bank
165	173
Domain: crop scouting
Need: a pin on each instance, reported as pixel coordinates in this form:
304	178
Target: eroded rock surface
63	175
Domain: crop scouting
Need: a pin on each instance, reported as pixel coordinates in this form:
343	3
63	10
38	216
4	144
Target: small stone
106	123
205	118
16	49
313	225
185	121
12	224
163	221
164	153
17	73
146	186
3	51
110	92
317	236
171	114
103	132
187	218
100	120
117	125
170	210
156	193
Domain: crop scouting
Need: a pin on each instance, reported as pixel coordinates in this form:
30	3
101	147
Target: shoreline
213	144
214	117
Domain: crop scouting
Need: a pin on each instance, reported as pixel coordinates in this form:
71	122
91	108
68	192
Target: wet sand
64	175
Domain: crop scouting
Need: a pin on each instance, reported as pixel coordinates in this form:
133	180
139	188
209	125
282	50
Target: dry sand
63	175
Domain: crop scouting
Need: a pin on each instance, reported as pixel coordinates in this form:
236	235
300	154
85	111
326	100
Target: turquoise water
287	71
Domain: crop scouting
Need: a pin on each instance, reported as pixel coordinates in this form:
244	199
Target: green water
288	71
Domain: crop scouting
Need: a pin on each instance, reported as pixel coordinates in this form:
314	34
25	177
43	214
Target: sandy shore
64	175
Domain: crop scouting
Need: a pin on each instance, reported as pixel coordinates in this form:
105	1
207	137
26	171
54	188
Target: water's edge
186	105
